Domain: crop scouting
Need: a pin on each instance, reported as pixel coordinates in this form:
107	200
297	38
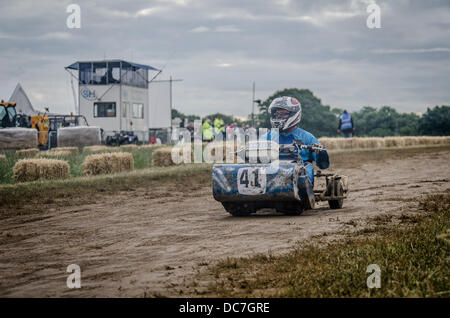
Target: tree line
322	120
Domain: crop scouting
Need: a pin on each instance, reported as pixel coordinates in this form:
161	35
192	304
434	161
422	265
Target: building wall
89	94
134	95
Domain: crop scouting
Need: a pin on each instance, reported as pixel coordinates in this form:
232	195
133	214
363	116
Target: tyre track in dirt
153	241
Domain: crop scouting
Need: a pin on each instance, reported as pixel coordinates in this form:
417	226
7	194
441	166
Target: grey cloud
220	47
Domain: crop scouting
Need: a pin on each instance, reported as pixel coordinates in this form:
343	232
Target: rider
285	114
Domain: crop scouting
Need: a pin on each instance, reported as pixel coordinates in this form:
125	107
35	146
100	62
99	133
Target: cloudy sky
219	47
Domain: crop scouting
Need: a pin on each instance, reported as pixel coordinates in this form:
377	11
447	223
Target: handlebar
290	148
313	147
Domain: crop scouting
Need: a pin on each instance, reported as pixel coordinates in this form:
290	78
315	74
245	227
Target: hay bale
227	147
394	142
329	143
432	140
446	140
18	138
165	156
352	143
378	142
40	169
27	153
105	163
56	154
162	157
79	136
370	142
381	142
72	150
411	141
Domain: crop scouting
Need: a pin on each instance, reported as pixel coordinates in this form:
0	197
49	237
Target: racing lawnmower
244	188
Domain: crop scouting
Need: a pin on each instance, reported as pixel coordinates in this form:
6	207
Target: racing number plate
251	181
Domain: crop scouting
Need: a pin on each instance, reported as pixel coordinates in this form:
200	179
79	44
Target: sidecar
244	188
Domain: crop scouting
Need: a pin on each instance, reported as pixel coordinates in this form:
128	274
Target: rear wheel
339	191
238	209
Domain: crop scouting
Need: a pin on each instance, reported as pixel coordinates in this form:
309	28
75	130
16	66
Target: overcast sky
219	47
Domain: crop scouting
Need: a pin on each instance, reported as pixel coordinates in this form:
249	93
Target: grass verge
33	196
142	159
414	262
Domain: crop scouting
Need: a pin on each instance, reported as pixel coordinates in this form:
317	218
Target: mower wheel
238	209
339	191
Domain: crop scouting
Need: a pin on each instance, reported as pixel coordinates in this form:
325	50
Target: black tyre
339	191
292	209
238	209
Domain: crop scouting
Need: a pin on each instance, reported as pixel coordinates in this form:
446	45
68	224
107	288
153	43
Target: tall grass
6	167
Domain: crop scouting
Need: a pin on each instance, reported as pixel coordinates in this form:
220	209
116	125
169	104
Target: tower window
105	109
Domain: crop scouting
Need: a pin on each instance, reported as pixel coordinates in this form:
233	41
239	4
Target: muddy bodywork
262	186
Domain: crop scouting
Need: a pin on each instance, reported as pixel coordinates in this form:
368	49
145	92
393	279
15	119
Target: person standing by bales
207	130
346	126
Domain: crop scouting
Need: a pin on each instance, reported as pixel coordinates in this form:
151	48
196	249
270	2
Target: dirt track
136	244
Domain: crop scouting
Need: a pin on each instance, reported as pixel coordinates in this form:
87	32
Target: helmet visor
280	113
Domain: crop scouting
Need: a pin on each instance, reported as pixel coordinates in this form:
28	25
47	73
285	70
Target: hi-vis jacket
207	131
219	125
345	122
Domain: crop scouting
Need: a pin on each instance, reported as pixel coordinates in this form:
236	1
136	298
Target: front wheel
339	191
291	209
238	209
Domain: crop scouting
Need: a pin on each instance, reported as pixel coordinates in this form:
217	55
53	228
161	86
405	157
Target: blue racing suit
322	160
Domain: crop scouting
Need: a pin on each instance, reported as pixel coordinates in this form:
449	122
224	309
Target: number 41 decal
251	181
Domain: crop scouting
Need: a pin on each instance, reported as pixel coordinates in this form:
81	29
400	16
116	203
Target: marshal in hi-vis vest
346	121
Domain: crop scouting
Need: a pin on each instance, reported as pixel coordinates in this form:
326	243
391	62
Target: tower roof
76	65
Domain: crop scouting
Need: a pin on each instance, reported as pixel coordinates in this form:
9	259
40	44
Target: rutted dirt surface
152	241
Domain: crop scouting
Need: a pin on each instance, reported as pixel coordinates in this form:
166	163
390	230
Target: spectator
207	130
190	128
219	126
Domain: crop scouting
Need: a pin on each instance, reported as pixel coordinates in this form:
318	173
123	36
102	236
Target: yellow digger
47	125
9	118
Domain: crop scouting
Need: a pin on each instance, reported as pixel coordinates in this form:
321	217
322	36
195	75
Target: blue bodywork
261	186
257	183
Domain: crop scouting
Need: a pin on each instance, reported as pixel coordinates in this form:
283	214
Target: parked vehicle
122	138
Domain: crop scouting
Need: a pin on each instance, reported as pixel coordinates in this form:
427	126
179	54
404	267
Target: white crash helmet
290	104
